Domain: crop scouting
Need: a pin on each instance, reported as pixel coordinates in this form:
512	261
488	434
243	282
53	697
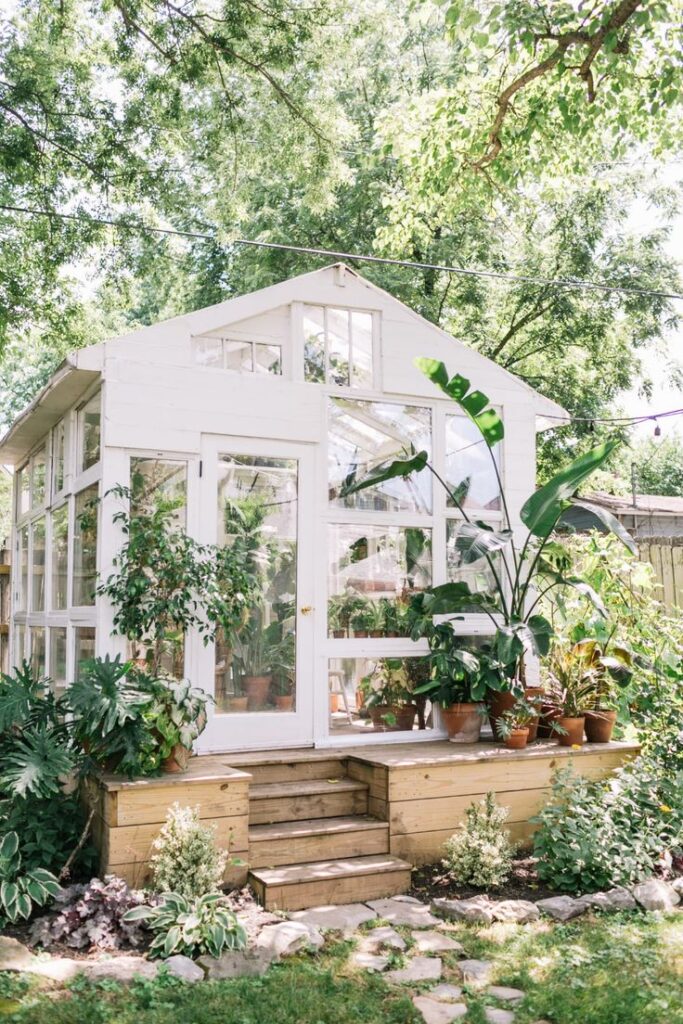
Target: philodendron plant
522	570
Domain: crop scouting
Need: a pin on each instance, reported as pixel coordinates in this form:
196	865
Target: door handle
306	609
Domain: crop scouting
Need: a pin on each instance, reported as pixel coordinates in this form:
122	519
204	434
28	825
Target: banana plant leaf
384	471
455	598
577	584
514	639
582	516
542	510
477	540
474	403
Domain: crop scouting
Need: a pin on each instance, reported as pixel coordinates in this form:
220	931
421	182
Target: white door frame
263	730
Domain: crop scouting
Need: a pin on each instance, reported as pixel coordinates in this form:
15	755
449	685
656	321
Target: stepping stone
414	915
654	894
289	937
510	995
438	1013
445	993
435	942
237	963
479	908
123	969
420	968
562	908
344	919
386	937
495	1016
475	972
519	911
369	961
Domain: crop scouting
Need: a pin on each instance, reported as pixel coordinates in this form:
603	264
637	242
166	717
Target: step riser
298	771
306	849
337	890
320	805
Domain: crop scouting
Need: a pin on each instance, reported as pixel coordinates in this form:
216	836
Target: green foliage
190	927
21	891
186	860
519	716
593	835
179	713
479	852
49	830
658	466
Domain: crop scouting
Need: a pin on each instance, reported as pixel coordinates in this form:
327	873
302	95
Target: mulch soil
433	880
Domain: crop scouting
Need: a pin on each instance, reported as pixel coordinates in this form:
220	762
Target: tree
658	466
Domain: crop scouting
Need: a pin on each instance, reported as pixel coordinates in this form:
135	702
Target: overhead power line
576	285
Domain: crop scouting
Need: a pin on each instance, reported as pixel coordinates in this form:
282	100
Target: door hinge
201	466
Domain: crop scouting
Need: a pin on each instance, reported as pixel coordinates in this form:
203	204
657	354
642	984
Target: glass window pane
361	348
257	504
23	491
57	671
338	346
268	359
314	344
84	647
38	463
36	639
477	574
373	572
89	432
22	591
155	482
364	434
85	547
60	555
38	566
370	695
58	456
238	356
469	469
208	351
19	645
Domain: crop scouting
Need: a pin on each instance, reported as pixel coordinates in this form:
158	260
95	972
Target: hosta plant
480	853
185	859
190	927
21	892
92	917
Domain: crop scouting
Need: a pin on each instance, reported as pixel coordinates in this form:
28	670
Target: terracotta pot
531	692
376	632
177	760
377	713
549	714
237	703
573	734
360	700
499	701
599	726
334	703
463	722
284	701
406	717
360	633
338	634
517	739
256	689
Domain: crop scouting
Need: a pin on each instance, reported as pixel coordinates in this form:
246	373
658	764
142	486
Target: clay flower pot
177	760
549	714
463	722
406	717
284	701
499	702
338	634
530	693
256	689
334	703
573	734
377	713
599	726
518	739
237	703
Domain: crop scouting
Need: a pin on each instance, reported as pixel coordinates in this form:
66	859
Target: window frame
374	314
252	342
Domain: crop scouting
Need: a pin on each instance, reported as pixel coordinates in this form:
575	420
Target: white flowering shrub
186	860
480	852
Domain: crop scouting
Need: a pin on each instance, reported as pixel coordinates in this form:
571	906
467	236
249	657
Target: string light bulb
658	429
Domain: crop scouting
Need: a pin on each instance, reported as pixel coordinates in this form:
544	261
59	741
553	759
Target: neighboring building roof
646	504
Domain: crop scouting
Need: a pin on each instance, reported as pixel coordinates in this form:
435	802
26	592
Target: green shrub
186	860
190	927
593	835
479	852
21	891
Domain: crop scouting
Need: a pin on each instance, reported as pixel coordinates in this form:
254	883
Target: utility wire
358	257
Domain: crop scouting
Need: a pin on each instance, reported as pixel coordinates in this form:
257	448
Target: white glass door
255	496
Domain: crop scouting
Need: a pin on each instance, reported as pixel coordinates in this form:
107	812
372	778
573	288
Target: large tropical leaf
477	540
582	516
36	762
454	599
512	640
474	403
542	510
384	471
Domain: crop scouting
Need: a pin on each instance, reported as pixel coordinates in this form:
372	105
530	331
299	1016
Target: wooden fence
665	554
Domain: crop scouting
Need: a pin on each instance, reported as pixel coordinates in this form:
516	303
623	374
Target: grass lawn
620	969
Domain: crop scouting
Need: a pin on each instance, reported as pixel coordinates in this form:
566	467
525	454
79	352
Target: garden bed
433	881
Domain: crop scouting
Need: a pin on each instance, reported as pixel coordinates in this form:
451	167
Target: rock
434	1012
610	901
123	969
445	993
344	919
407	899
519	911
677	885
655	894
369	961
475	972
237	963
507	995
479	908
420	968
14	956
414	915
58	969
184	968
435	942
289	937
384	937
562	908
495	1016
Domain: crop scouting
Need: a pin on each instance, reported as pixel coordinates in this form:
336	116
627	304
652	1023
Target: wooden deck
288	814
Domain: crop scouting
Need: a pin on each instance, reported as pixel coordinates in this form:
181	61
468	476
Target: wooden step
294	771
300	842
315	798
299	886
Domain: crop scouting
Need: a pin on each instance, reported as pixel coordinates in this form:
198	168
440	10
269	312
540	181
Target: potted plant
283	660
362	618
387	696
376	618
513	726
336	623
571	690
612	667
253	655
391	614
177	717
